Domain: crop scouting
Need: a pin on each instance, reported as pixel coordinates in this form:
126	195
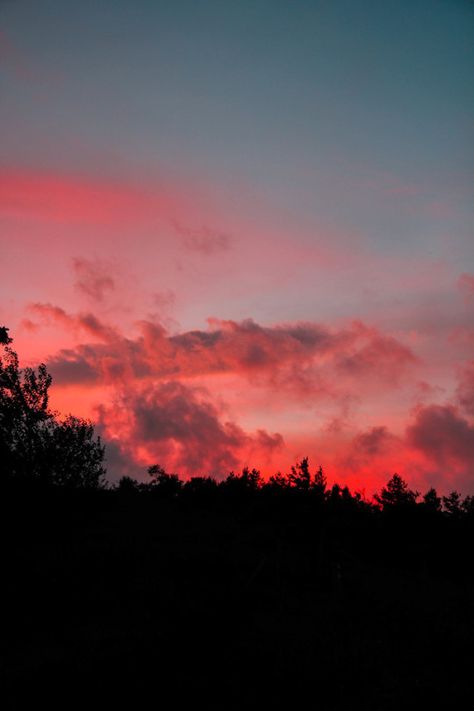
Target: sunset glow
228	256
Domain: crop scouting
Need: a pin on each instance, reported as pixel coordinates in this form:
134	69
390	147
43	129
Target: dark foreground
162	603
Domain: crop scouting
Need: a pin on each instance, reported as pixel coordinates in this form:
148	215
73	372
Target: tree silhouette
452	503
34	444
468	505
431	500
127	486
251	478
396	494
4	337
162	483
200	487
300	477
319	483
23	412
277	482
73	457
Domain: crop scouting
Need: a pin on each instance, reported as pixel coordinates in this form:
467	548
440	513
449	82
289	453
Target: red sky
239	246
150	305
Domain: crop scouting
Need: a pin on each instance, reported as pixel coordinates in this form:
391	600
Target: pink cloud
300	356
77	201
380	356
94	278
86	322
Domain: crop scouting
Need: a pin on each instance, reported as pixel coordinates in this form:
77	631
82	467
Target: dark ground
232	605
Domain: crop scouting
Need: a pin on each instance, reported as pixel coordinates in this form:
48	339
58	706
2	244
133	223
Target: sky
241	233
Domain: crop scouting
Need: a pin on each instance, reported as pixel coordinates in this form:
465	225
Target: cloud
86	322
373	441
368	451
306	358
29	325
204	240
48	313
268	442
178	425
444	437
71	369
76	201
161	412
380	356
93	278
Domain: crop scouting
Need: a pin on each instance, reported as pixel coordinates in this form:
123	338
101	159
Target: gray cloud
178	424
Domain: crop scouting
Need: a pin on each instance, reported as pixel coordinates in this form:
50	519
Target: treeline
300	485
37	449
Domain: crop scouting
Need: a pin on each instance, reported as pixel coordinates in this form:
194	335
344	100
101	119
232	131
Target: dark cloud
179	425
444	436
118	459
268	442
374	441
368	447
69	368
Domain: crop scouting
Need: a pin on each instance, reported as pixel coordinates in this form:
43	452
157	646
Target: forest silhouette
227	594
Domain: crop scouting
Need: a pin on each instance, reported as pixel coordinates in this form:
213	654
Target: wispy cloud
94	278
